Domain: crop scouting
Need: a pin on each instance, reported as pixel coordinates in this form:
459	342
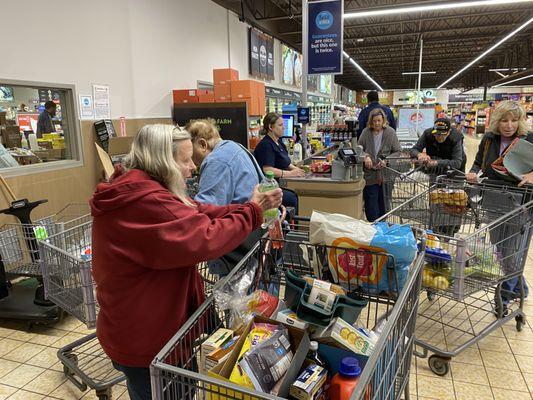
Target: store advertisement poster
27	122
261	54
292	67
326	82
102	108
86	107
325	37
410	118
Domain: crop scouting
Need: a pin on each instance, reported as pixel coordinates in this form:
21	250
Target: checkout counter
338	191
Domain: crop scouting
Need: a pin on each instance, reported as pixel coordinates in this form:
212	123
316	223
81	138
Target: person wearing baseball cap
443	145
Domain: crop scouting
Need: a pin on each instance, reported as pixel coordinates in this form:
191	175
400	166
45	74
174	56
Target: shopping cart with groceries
285	270
66	262
478	238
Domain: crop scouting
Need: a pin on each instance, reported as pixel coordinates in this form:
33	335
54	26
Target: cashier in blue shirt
272	155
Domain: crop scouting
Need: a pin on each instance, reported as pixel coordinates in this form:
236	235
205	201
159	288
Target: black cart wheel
520	322
104	394
430	295
439	365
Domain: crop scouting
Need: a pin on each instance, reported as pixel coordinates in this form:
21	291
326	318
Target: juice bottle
343	384
312	355
268	184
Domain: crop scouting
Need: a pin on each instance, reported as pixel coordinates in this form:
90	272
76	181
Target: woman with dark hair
272	155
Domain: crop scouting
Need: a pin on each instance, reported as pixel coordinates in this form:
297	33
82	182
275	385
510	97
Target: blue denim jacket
228	175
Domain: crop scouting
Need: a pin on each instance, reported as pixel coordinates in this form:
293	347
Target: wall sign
261	53
86	107
102	108
303	115
325	37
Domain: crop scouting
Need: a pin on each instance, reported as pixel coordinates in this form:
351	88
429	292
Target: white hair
154	150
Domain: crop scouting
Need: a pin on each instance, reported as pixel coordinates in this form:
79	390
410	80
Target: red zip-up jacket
146	244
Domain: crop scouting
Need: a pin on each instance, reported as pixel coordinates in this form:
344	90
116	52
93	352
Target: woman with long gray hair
148	237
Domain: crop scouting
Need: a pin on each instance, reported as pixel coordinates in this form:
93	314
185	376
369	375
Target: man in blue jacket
373	102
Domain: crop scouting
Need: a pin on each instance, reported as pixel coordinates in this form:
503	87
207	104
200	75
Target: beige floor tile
5	332
58	366
25	352
495	359
494	343
68	391
511	332
6	391
20	376
468	391
7	366
436	388
505	394
21	335
469	356
509	380
529	381
521	347
45	358
68	339
46	383
525	363
8	345
47	337
126	396
469	373
69	323
25	395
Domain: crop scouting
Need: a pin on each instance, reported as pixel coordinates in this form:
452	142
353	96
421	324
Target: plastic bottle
327	139
297	152
343	384
268	184
312	355
24	142
32	138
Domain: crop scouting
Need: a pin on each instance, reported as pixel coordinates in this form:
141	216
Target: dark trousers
374	202
138	381
290	199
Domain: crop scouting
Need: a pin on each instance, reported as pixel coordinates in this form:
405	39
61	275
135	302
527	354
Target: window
39	127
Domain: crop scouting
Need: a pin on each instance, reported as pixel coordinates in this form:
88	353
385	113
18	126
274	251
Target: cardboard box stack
227	88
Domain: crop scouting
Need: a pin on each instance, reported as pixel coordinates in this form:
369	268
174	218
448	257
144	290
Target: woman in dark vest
507	123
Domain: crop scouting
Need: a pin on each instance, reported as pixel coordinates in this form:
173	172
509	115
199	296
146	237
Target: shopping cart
480	239
18	241
386	375
66	264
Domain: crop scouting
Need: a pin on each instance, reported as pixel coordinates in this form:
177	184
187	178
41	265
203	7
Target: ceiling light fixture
514	80
434	7
506	69
362	70
475	60
423	73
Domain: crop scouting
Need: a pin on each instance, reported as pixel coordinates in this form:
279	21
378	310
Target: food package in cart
357	256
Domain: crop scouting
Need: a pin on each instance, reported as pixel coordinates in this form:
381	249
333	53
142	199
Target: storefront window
38	126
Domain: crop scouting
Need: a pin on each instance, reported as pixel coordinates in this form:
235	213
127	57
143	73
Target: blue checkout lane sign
325	37
303	115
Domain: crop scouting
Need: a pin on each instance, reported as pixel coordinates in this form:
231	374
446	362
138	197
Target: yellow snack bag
258	334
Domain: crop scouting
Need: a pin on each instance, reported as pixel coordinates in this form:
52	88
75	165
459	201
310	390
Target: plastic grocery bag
362	254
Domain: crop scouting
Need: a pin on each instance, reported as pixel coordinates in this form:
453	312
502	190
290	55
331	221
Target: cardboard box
289	318
58	143
11	136
206	98
119	145
51	136
225	76
299	343
185	96
3	118
310	383
45	144
222	93
246	89
213	342
339	332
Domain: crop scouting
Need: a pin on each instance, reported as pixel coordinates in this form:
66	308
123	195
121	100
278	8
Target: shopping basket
66	264
386	375
480	239
18	241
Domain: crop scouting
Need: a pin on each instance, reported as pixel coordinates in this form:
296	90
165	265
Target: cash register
348	165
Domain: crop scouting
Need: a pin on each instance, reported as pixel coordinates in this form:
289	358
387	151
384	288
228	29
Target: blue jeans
374	202
138	381
510	290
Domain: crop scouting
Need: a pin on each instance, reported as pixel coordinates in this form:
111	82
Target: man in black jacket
444	147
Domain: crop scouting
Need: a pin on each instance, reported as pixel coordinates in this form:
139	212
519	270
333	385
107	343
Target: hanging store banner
325	37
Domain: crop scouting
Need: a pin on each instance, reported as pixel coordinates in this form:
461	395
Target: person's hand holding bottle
267	200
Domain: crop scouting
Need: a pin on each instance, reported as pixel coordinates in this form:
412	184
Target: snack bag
359	253
258	334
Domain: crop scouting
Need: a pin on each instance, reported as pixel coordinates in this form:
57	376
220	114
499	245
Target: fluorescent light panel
514	80
475	60
434	7
423	73
362	70
506	69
